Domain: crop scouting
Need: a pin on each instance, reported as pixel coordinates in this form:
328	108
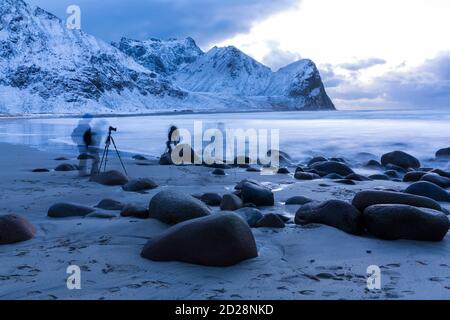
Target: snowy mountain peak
161	56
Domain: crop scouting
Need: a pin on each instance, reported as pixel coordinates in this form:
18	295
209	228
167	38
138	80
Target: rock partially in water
400	159
110	204
443	154
442	182
414	176
298	200
332	167
211	199
66	167
306	176
250	215
394	222
257	194
219	241
428	189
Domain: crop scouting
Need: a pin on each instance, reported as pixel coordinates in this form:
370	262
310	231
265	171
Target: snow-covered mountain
163	57
47	68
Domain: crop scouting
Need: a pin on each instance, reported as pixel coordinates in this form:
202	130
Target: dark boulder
110	178
357	177
379	177
65	167
332	167
400	159
139	157
42	170
135	211
391	174
110	204
441	172
365	199
218	172
66	210
282	157
373	164
283	171
257	194
346	182
218	241
141	184
211	199
394	222
14	228
253	169
306	176
166	159
270	221
428	189
393	167
172	207
413	176
231	202
334	213
333	176
443	153
317	160
250	215
298	200
442	182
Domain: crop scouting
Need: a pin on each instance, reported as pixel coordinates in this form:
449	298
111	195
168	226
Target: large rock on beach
217	241
110	204
131	210
67	210
257	194
443	153
441	181
172	207
401	159
334	213
141	184
332	167
250	215
15	228
394	222
414	176
429	190
298	200
110	178
306	176
65	167
365	199
272	221
211	199
231	202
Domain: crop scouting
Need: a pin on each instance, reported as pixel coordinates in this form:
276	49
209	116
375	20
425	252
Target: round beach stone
41	170
270	220
332	167
218	241
429	190
257	194
141	184
110	178
379	177
131	210
373	164
317	160
400	159
357	177
283	171
394	222
365	199
231	202
306	176
442	182
110	204
211	199
65	167
414	176
334	213
443	153
218	172
15	228
66	210
250	215
298	200
172	207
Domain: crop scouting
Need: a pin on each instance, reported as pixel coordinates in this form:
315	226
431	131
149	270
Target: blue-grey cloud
204	20
362	64
427	85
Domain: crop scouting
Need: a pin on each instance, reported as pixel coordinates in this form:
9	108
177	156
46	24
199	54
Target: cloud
278	58
427	85
362	64
204	20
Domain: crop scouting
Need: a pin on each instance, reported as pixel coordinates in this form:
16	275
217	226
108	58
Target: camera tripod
110	140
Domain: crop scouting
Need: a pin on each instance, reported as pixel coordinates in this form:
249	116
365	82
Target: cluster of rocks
384	214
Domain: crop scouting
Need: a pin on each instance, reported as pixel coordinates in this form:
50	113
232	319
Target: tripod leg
118	154
103	157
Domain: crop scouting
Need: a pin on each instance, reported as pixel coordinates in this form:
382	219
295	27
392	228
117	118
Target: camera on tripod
104	160
111	129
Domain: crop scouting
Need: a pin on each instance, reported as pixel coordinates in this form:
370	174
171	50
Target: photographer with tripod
88	139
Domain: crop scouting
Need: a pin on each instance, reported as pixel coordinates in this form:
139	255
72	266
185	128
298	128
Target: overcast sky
371	53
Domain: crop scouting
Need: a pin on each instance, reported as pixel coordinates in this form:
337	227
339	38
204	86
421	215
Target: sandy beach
298	262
